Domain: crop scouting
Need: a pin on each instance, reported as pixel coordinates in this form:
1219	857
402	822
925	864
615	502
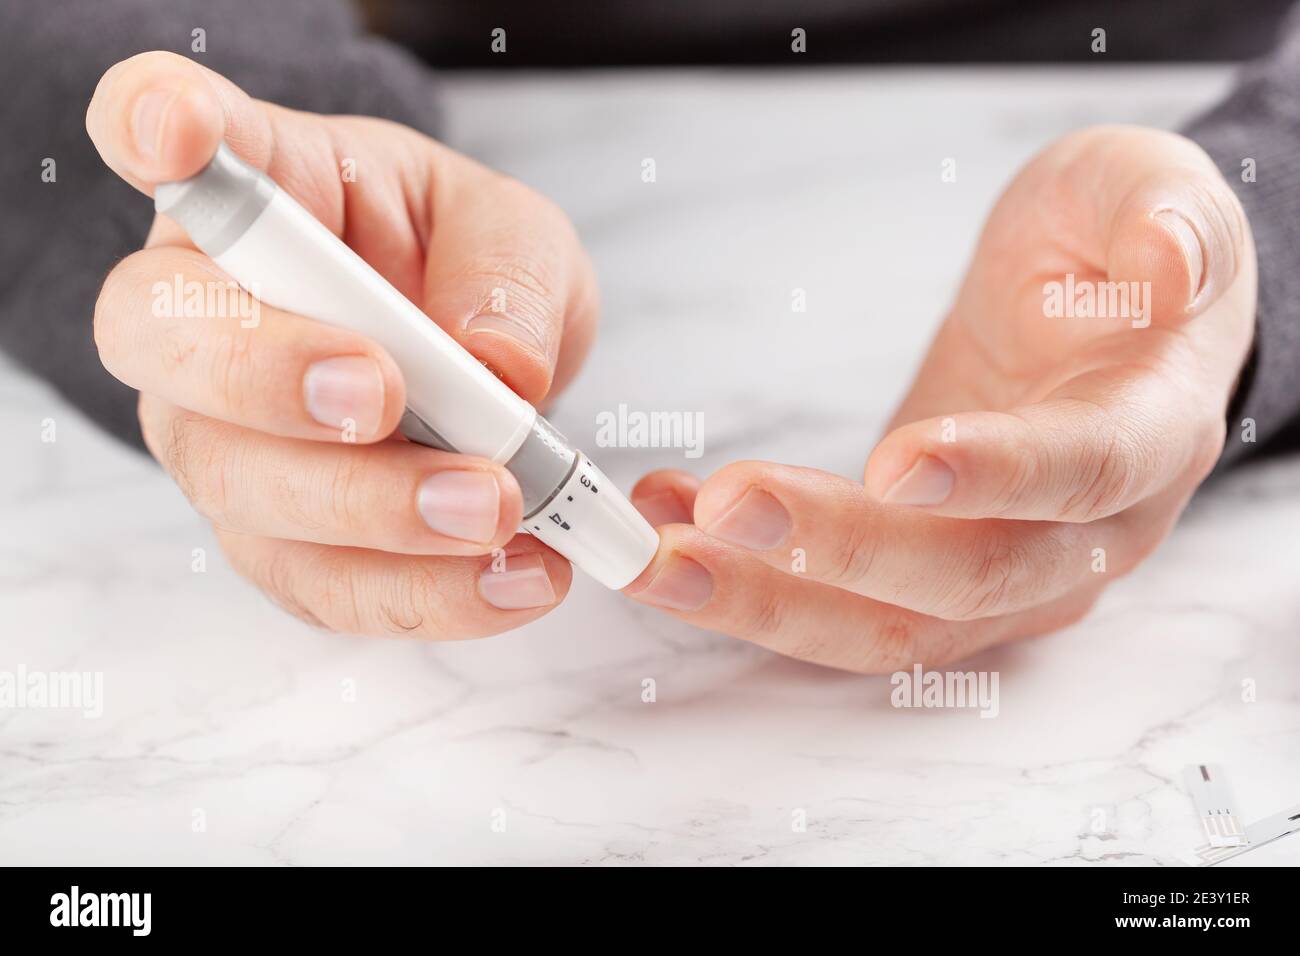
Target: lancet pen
279	252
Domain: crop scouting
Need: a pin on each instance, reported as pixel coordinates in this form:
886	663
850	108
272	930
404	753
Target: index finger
711	585
1097	446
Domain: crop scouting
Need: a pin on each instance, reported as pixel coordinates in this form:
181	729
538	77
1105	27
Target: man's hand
257	423
1046	447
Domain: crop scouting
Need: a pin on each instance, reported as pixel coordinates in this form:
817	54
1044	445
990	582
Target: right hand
381	535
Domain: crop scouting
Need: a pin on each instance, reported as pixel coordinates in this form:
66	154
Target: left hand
1036	457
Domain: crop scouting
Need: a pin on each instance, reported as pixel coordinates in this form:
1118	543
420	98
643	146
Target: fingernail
461	504
147	120
524	583
516	329
757	521
662	508
928	482
1190	241
345	389
681	584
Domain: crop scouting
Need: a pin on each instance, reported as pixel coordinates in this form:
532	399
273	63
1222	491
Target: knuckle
1020	468
209	493
232	374
766	614
854	553
277	577
319	498
336	592
1109	478
177	452
1017	483
198	459
892	645
415	606
345	493
998	570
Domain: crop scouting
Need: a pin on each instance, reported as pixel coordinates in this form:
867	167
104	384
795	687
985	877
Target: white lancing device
283	256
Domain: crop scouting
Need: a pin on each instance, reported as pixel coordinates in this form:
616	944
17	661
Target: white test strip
1257	834
1215	808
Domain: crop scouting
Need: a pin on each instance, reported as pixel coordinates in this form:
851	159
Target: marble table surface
232	734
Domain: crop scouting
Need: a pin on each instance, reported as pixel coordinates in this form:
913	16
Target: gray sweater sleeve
68	218
1254	137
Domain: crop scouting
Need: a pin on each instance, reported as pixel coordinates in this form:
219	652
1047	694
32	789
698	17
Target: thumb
1169	219
158	117
503	271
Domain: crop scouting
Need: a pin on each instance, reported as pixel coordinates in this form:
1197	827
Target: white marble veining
827	181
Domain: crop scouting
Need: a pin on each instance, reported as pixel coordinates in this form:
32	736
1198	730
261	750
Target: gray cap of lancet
218	204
